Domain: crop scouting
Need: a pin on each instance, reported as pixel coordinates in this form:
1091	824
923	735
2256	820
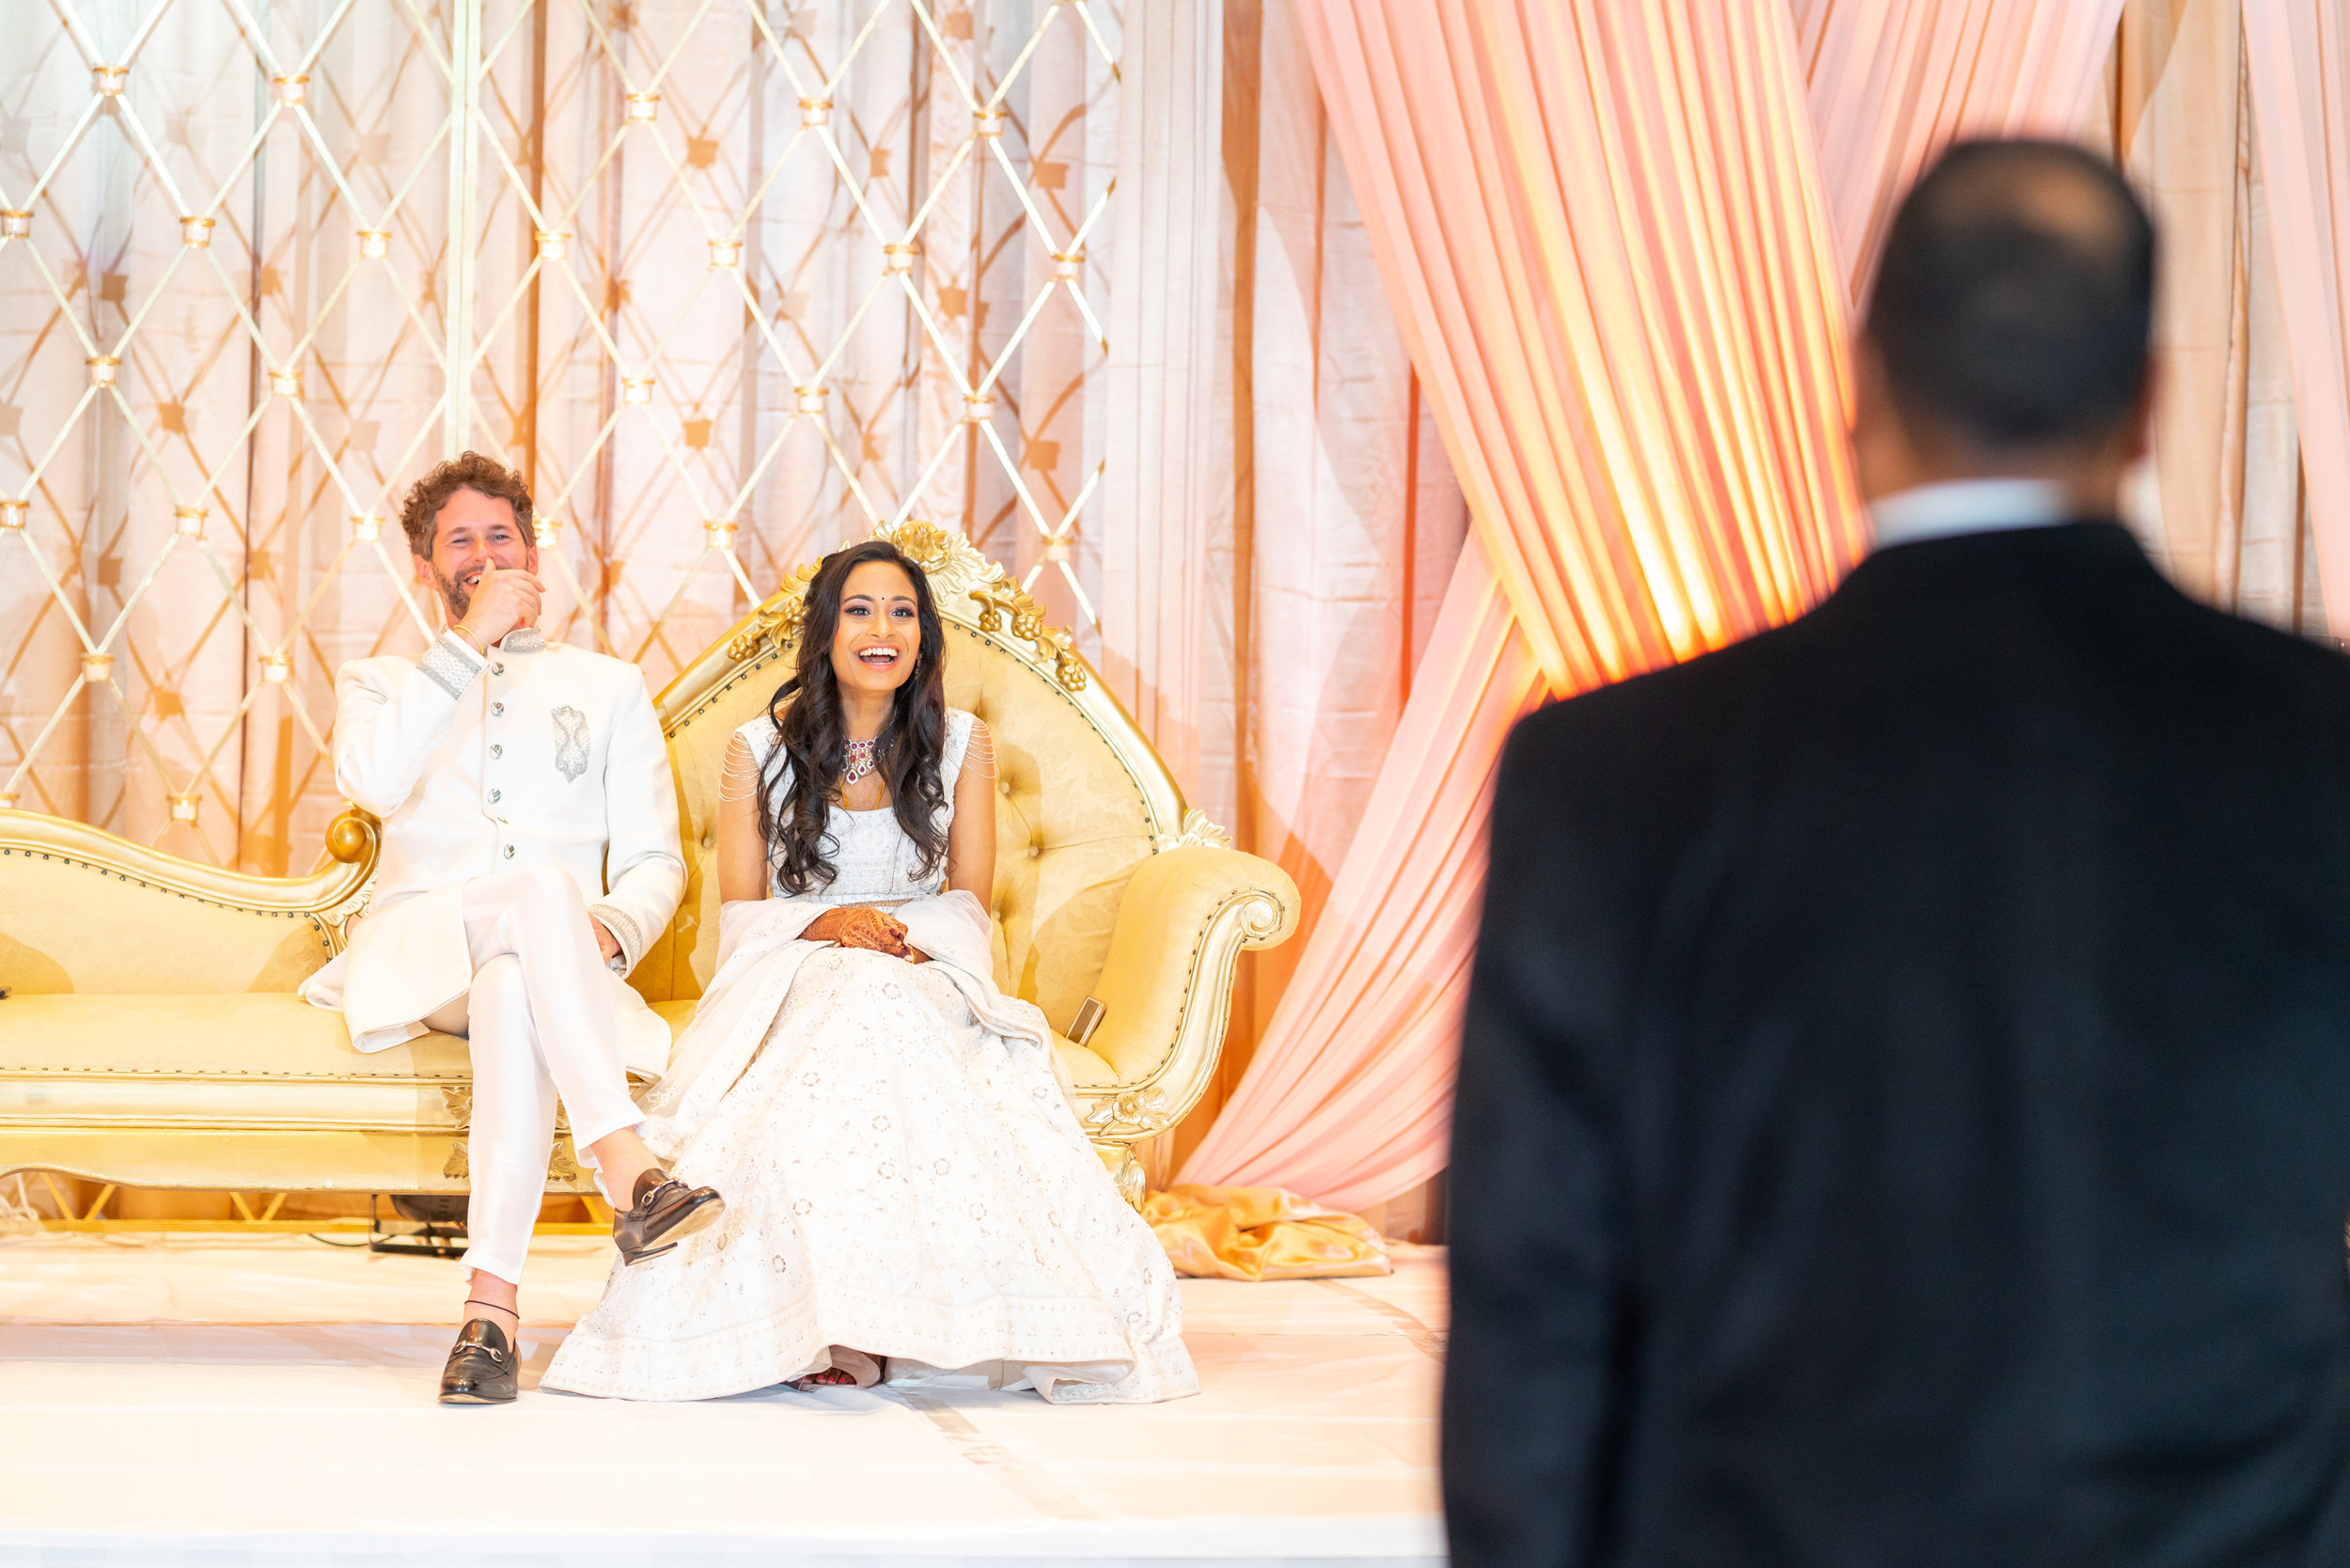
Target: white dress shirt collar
1966	507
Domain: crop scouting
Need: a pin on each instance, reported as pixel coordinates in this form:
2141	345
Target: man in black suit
1905	1107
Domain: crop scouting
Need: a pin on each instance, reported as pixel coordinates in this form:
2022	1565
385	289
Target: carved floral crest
957	574
1198	831
1134	1112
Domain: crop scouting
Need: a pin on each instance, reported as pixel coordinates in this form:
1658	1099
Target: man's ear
531	556
1879	440
424	570
2137	426
1871	392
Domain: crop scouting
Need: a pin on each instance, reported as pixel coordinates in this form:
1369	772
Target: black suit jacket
1904	1106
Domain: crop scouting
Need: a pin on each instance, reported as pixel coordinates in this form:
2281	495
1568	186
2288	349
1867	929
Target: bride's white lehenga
902	1172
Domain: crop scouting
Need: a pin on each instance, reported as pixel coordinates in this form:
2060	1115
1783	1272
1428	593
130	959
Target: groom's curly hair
794	819
420	511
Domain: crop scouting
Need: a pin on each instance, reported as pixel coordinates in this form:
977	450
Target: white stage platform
266	1402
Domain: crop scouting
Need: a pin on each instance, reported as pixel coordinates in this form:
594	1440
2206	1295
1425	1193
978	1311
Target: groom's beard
455	593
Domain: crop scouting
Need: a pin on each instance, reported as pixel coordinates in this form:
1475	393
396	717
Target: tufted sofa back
1081	800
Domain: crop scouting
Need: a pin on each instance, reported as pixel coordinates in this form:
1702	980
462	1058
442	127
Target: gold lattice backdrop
730	279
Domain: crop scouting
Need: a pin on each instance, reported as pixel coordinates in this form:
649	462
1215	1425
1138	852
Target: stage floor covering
186	1399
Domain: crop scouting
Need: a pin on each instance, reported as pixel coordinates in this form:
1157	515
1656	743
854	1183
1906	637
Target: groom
530	856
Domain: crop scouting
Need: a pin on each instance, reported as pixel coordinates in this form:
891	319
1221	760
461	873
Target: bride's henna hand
893	936
878	931
860	926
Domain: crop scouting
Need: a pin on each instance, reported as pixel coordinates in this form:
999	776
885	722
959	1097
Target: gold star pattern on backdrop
733	280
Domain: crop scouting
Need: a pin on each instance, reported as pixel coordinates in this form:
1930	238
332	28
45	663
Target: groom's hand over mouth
502	599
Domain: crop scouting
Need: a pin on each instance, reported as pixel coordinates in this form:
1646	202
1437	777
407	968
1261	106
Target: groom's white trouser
540	1029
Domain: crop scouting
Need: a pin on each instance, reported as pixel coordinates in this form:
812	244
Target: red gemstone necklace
859	762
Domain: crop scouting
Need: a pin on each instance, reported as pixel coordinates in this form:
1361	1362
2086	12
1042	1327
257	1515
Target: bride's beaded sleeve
978	756
971	838
737	778
743	870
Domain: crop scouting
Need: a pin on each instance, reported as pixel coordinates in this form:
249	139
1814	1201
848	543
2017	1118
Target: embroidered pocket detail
570	742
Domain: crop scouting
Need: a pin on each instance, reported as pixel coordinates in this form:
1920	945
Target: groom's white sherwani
540	755
521	793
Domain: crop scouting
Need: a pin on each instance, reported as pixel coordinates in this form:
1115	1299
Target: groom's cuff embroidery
450	665
625	931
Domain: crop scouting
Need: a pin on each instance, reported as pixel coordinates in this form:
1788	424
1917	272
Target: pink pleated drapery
1891	82
2299	60
1601	227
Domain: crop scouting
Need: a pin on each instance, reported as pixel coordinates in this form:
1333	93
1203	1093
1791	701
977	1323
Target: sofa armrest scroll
352	841
355	839
83	911
1166	987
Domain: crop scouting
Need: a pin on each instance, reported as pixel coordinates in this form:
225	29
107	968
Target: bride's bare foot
850	1368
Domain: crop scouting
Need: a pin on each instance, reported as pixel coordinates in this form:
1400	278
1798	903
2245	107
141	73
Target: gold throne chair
150	1036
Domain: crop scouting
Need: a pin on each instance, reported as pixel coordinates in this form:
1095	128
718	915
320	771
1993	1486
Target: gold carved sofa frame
150	1035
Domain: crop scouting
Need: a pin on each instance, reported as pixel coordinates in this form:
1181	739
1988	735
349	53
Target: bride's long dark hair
810	740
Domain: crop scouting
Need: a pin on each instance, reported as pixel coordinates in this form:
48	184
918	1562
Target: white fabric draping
796	392
2297	58
169	494
690	333
1344	519
2221	506
1330	518
1159	485
1601	231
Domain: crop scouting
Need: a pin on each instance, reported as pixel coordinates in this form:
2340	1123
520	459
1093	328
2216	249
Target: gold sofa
150	1035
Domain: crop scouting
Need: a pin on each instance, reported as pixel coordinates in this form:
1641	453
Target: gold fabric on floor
1260	1234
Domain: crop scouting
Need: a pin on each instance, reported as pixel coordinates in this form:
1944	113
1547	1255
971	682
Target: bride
909	1195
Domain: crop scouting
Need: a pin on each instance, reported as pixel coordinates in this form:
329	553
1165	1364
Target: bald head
2012	307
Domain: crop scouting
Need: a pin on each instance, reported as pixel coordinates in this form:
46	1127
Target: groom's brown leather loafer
480	1367
666	1211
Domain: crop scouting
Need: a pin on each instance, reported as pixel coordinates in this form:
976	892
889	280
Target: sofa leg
1124	1169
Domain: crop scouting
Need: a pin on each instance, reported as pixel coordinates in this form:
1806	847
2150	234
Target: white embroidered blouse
875	862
